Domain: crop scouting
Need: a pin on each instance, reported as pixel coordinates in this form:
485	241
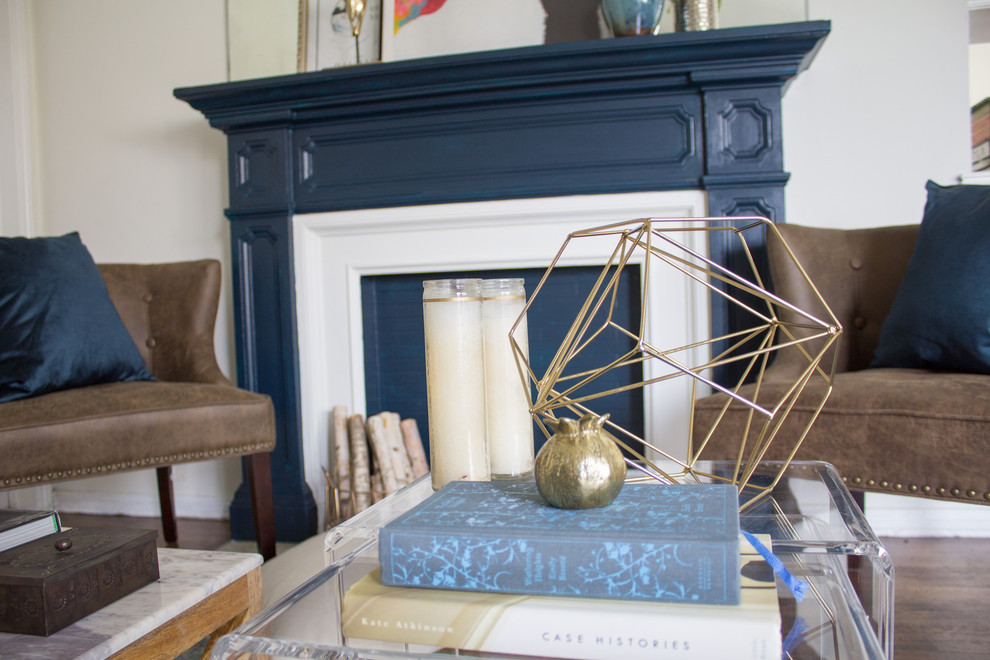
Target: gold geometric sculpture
777	325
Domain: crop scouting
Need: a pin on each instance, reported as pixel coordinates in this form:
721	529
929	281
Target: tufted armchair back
170	310
856	271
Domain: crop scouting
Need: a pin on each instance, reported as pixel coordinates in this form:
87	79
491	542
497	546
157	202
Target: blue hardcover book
653	542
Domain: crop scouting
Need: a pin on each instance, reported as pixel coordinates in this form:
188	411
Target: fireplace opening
394	348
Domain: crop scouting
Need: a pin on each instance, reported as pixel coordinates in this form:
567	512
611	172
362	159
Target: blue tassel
797	587
793	637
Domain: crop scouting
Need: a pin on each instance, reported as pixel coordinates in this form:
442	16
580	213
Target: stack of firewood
370	459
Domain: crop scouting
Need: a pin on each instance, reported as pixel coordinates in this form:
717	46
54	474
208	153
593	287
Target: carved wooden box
43	589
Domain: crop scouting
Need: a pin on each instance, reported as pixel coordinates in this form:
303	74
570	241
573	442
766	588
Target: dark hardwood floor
941	592
942	586
193	533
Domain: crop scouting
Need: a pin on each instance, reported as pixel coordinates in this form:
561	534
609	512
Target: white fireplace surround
334	250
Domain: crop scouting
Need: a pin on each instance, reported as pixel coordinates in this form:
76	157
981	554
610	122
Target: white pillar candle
510	427
455	381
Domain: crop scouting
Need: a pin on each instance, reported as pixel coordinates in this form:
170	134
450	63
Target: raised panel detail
258	171
523	151
751	206
766	200
743	131
267	361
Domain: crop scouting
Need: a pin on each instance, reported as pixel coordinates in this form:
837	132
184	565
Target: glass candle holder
510	427
455	381
697	15
627	18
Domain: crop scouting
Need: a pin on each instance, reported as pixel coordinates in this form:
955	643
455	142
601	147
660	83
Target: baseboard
894	515
33	498
137	504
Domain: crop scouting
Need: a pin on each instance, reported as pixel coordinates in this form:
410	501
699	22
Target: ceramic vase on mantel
626	18
697	15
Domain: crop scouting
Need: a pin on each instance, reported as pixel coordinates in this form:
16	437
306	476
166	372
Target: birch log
414	447
331	509
342	455
377	489
383	455
400	457
360	465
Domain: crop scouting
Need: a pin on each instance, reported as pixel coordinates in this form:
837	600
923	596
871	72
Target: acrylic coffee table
817	530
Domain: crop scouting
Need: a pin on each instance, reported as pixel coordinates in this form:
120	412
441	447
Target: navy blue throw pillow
58	327
940	318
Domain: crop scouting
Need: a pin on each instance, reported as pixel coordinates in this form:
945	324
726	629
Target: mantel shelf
771	54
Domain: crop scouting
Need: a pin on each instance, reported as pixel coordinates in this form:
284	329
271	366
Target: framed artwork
421	28
327	37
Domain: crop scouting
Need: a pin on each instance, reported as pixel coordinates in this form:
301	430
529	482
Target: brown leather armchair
903	431
191	412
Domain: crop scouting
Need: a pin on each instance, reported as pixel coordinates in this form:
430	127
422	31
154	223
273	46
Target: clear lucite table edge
818	532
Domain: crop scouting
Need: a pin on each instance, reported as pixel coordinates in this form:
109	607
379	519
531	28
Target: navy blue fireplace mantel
680	111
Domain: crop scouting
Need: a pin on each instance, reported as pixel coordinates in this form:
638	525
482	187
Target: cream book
591	629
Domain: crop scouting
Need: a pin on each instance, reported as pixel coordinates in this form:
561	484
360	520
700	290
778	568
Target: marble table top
187	577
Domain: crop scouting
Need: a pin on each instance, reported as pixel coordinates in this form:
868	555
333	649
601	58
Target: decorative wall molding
17	201
32	498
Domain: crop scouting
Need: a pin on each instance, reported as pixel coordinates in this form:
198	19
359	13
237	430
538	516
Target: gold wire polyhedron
651	242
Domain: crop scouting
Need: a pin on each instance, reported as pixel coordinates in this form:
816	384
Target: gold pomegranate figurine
579	467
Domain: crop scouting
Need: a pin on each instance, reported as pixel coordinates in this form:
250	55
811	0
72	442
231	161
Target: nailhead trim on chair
157	460
954	493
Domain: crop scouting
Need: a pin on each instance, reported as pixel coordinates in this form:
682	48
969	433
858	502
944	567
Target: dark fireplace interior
394	348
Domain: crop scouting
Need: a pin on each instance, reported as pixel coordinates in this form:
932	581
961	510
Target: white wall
16	208
979	51
883	108
138	173
253	23
9	226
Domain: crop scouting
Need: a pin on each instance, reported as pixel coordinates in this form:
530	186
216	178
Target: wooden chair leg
166	500
859	497
857	567
259	475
